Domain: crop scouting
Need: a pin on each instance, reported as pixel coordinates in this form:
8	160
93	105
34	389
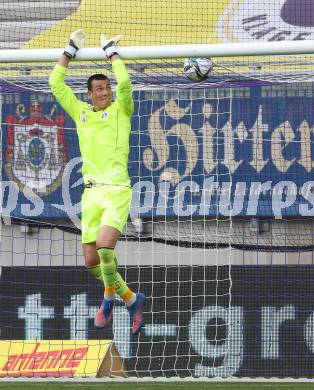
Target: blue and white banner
241	152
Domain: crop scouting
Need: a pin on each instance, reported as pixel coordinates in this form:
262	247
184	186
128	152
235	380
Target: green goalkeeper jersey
103	135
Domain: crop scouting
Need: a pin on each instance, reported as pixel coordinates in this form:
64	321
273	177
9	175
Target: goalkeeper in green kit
103	129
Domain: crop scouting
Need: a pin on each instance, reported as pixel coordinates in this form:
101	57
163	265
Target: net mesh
220	234
36	25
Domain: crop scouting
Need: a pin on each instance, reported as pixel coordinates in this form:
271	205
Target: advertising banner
242	152
57	358
196	322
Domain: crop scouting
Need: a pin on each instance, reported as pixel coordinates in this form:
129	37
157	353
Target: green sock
108	266
120	286
96	272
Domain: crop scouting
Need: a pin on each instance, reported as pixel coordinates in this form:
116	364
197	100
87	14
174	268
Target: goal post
167	51
215	222
234	64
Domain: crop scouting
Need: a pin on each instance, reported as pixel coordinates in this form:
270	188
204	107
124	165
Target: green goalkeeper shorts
104	206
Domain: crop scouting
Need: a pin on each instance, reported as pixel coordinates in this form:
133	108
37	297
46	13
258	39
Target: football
197	69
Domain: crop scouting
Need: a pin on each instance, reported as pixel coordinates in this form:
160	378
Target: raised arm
62	92
124	94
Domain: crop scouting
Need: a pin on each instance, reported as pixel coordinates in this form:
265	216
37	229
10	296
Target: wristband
71	49
110	51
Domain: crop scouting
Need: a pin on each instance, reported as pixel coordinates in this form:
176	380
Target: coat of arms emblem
35	151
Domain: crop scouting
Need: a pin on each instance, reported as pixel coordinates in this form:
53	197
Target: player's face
100	94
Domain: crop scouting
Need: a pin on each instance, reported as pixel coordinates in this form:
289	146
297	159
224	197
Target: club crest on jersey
105	115
35	153
83	117
253	20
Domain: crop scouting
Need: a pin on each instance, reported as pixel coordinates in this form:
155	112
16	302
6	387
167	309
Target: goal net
220	232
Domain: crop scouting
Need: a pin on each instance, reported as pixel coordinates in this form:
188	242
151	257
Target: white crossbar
167	51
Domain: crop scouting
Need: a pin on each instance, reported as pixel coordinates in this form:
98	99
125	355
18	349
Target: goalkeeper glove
77	39
110	45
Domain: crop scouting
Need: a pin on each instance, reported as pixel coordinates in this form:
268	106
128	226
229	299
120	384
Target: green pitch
155	386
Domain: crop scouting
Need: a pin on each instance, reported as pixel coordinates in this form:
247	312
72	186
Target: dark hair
97	76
